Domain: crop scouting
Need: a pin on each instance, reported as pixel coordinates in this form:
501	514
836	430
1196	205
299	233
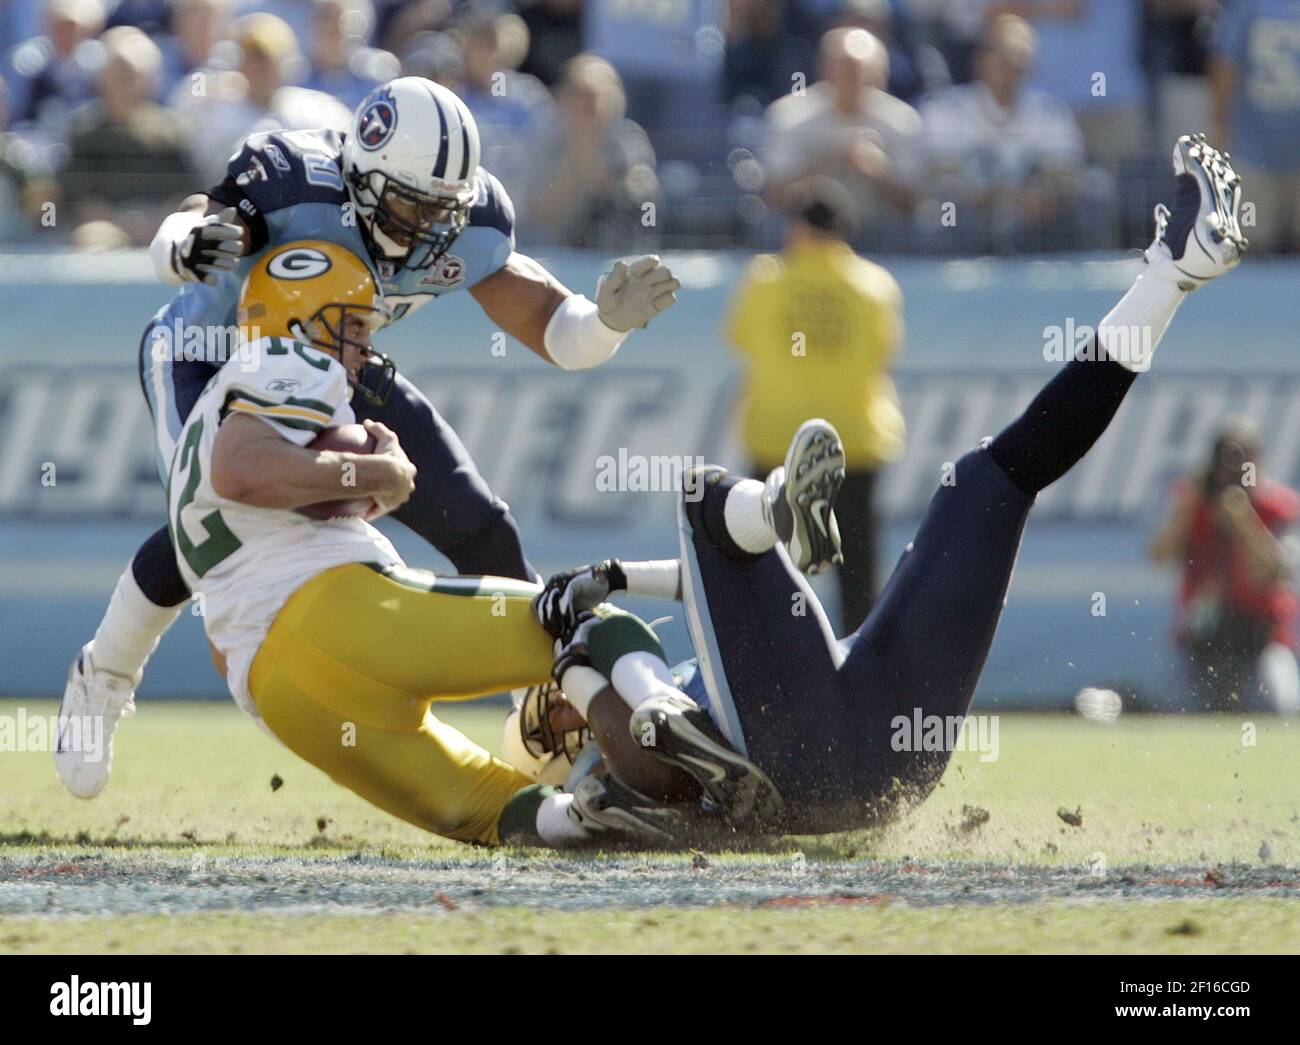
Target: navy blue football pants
817	713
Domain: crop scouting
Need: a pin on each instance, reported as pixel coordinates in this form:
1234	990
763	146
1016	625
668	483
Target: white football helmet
410	162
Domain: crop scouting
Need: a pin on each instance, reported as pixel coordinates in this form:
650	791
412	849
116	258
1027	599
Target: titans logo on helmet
376	123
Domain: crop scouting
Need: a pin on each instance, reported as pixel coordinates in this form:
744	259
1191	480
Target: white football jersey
241	562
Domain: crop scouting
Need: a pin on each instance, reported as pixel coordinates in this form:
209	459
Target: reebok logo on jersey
276	157
283	384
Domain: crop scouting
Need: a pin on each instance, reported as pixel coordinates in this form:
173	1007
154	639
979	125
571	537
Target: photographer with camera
1236	604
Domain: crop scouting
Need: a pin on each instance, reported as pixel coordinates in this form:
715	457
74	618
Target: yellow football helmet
306	291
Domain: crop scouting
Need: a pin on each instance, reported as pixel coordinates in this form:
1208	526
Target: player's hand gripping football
393	478
629	296
211	249
568	595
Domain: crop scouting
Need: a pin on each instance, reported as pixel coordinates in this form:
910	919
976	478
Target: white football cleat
603	806
91	697
1201	237
799	499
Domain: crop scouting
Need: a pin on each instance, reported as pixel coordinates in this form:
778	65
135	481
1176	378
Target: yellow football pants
352	662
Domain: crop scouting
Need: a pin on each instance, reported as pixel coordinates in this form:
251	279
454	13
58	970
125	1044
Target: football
353	439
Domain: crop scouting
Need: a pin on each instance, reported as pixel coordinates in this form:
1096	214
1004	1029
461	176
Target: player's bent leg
102	680
764	643
148	596
404	631
452	507
922	648
426	773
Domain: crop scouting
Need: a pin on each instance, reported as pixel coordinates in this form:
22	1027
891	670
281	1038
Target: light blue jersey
288	185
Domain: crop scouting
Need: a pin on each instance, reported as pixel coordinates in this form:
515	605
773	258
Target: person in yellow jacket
818	328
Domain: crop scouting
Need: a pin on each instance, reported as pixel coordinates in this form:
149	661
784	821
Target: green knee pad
617	634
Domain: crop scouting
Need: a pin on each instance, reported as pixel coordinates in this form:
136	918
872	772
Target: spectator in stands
257	97
435	56
20	20
298	15
1007	155
341	63
592	171
198	26
403	20
817	329
1227	535
127	160
1087	56
509	107
952	27
669	58
25	181
56	72
555	28
847	127
751	68
152	17
914	69
1174	54
1255	89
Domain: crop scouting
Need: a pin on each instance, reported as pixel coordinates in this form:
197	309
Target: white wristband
658	579
172	232
577	338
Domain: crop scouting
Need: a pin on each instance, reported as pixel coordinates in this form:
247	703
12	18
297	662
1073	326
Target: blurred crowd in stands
958	126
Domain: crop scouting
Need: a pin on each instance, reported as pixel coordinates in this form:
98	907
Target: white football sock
639	676
1133	328
130	630
554	824
746	522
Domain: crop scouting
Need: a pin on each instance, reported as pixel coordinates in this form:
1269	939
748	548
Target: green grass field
1186	838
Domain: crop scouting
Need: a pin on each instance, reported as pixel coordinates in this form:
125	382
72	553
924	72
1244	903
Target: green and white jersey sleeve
243	562
298	389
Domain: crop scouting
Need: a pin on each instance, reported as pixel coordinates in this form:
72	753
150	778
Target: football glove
629	296
567	595
571	646
211	249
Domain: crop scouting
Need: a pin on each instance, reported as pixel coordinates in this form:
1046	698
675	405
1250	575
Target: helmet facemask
411	228
328	330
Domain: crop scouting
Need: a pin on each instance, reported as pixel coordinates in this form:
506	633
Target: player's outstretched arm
200	242
567	329
254	465
568	595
